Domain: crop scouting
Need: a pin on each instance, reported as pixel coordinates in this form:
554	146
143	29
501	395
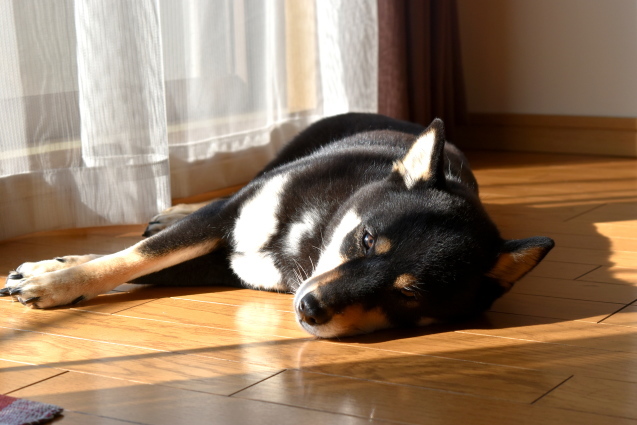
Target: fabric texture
14	411
420	69
110	109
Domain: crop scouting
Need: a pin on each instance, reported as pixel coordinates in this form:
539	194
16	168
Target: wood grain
17	375
624	317
132	363
584	394
399	403
159	405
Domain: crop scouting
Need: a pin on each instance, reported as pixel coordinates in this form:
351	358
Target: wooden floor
560	348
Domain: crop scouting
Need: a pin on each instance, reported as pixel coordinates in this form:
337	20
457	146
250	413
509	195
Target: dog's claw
15	275
29	300
4	292
78	300
16	291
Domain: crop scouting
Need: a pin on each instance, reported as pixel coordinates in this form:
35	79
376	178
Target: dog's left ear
517	258
424	162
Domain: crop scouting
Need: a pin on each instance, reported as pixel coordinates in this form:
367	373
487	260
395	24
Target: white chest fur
255	225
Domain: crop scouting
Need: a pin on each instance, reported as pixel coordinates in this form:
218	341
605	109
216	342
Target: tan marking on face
405	280
382	245
353	320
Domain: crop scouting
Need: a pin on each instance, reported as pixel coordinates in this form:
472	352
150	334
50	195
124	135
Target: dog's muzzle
310	311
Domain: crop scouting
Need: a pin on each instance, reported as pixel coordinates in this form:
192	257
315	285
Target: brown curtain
420	72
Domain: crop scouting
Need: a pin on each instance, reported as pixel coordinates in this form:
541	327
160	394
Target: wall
550	57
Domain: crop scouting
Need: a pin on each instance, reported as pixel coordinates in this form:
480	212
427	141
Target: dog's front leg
47	284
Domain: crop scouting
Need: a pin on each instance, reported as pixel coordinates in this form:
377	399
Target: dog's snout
311	311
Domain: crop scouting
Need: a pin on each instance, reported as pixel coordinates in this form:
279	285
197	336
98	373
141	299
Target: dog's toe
31	301
168	217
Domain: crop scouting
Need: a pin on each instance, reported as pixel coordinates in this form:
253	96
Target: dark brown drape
420	72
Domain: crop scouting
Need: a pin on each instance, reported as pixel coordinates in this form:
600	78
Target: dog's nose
311	311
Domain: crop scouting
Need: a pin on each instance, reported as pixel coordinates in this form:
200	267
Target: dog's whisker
311	262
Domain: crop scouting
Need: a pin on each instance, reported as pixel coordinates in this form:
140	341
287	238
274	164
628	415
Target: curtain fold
109	109
420	70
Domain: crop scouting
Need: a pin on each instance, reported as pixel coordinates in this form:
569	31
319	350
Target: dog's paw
168	217
46	283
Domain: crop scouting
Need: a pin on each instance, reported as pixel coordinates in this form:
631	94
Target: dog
372	222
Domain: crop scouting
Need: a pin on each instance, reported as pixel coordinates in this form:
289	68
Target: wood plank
559	270
612	274
462	377
593	395
583	241
130	295
74	418
594	256
576	289
329	357
524	212
402	403
130	363
15	375
511	226
555	308
576	333
242	297
159	405
625	212
114	302
550	357
248	317
625	317
151	334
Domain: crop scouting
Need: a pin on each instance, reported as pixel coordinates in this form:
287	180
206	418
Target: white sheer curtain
108	108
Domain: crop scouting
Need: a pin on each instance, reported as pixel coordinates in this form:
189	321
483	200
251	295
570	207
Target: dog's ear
517	258
424	161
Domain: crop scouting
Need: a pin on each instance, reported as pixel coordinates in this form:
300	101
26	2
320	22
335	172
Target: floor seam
552	389
37	382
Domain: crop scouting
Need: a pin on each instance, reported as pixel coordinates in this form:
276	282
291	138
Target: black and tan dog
372	222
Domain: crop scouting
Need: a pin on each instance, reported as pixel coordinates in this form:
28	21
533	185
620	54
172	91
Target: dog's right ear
424	162
517	258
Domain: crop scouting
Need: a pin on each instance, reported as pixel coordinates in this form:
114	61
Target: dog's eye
368	241
409	292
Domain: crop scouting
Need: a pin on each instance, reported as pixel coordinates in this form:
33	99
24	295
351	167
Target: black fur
373	222
439	230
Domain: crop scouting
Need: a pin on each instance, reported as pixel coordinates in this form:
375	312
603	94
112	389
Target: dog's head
411	250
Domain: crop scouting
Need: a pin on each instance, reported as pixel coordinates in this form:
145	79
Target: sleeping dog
371	222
